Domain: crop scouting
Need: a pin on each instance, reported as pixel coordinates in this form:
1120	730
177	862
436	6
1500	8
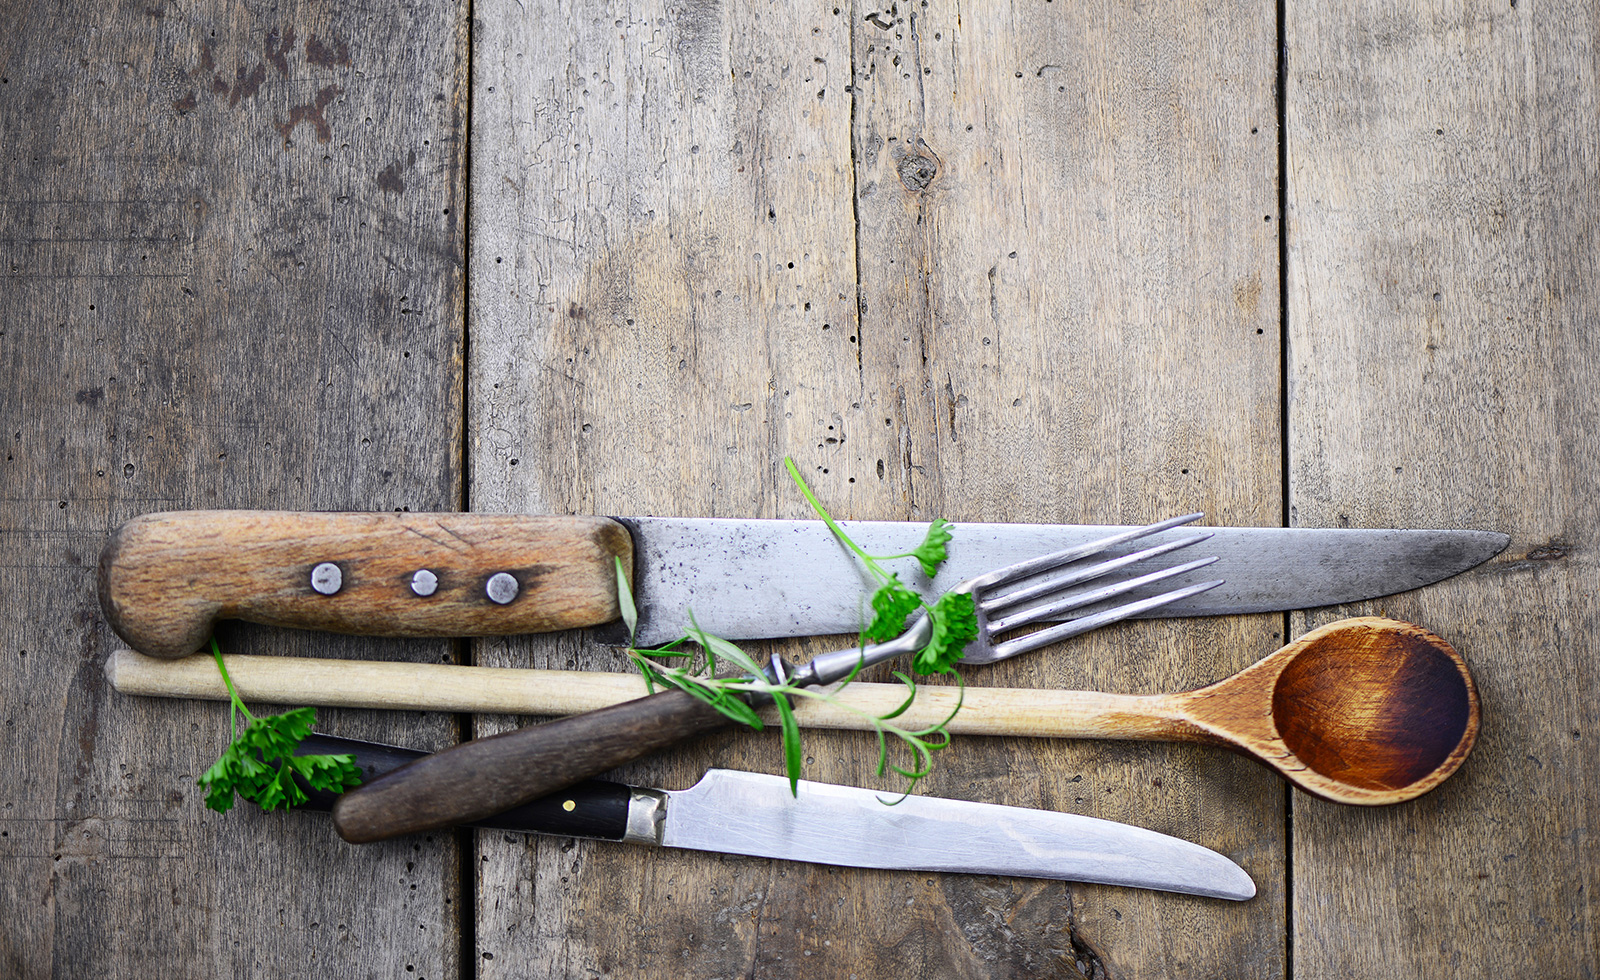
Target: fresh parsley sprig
260	764
952	620
953	616
730	695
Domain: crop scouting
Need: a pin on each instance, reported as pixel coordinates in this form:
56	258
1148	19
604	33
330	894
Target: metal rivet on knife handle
424	582
502	587
326	578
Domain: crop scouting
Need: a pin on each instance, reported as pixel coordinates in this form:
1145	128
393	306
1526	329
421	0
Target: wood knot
1553	551
917	169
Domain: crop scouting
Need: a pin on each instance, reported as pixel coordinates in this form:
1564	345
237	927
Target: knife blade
166	578
812	586
755	815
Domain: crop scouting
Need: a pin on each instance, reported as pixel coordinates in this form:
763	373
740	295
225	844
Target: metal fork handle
836	665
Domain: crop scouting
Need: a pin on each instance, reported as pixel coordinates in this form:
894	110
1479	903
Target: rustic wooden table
1333	266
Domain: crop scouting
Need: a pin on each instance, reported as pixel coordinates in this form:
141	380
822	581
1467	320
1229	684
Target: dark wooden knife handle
593	808
483	777
165	579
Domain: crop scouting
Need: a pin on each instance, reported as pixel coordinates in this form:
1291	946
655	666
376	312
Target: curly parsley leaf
219	781
326	772
278	735
260	765
891	604
955	624
930	554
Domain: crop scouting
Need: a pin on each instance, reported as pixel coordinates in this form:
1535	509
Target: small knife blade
755	815
166	578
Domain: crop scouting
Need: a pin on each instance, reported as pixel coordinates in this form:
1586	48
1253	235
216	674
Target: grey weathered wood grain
706	236
229	276
662	306
1442	358
1068	251
230	279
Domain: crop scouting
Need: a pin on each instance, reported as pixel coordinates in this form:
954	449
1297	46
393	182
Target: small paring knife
166	578
755	815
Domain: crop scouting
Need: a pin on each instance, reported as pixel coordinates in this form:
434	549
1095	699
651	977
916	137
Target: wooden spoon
1366	711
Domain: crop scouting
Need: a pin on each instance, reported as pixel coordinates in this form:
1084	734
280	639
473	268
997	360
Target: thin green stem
716	691
233	695
731	695
816	505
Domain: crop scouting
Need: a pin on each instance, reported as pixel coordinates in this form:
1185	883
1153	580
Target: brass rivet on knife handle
165	579
486	776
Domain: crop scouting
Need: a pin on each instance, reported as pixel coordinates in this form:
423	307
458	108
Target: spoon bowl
1366	711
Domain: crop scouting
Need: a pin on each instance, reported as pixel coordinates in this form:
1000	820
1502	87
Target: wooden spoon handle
165	579
499	690
486	776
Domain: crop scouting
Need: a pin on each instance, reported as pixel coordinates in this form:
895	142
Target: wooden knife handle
486	776
165	579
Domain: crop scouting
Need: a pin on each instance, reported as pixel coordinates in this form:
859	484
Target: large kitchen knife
166	578
754	814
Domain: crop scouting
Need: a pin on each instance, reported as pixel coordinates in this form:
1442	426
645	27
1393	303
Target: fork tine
1035	613
1033	566
1035	640
836	665
1056	583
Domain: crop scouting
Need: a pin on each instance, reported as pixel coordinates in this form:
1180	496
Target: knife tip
1232	883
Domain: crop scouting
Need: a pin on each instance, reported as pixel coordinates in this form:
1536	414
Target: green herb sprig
260	765
953	616
729	695
953	623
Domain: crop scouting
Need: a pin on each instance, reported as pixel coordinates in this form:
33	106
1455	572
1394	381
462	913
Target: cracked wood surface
210	301
950	280
1442	297
985	262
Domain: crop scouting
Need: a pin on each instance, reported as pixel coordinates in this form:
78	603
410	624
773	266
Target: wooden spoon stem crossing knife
1365	711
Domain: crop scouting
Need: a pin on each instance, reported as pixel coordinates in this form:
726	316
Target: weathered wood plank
663	308
1069	264
1442	294
643	180
229	243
